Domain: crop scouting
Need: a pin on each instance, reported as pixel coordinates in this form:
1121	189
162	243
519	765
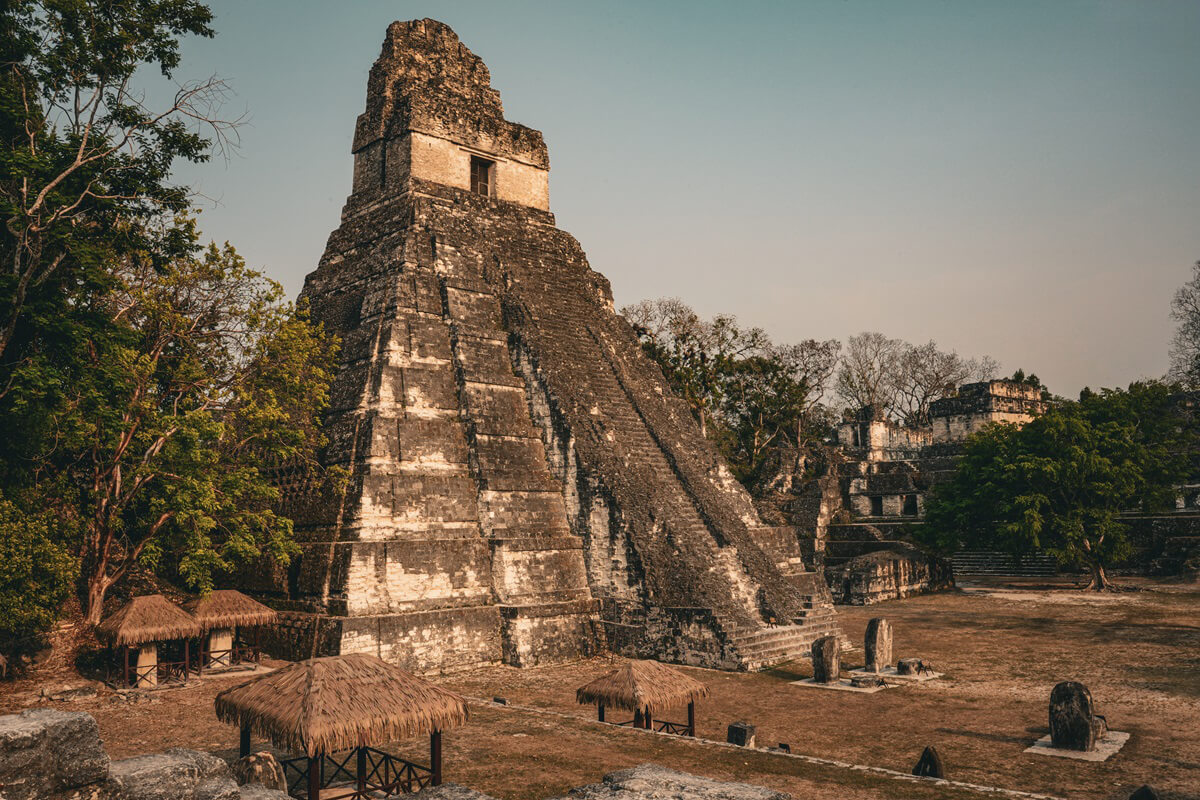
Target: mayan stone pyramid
524	487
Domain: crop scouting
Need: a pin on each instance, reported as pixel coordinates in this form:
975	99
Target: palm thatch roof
148	618
229	608
640	685
325	705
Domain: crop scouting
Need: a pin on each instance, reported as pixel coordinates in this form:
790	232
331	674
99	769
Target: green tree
159	427
749	394
37	572
765	405
84	159
1060	483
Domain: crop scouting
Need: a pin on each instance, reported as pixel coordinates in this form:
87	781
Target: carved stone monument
741	734
826	659
929	765
1074	725
878	644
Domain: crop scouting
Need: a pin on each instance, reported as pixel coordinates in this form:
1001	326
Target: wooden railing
164	672
236	656
677	728
381	772
662	726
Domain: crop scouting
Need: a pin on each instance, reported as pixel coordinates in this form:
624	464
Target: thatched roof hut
336	703
229	608
148	618
642	685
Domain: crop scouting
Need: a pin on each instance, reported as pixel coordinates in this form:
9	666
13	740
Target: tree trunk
93	585
1099	580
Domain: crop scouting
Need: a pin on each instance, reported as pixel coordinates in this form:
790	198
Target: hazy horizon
1020	180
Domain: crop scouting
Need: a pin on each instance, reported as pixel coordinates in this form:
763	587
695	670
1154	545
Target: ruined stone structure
877	485
524	487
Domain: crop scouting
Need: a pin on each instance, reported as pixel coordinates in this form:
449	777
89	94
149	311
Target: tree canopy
749	394
1060	483
150	387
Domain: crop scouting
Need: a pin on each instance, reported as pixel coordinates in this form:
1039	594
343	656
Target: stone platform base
839	686
890	674
1112	742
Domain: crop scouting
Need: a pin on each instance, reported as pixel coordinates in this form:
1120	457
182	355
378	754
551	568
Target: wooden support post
692	718
362	771
649	721
314	776
637	718
435	757
244	747
186	659
601	705
127	681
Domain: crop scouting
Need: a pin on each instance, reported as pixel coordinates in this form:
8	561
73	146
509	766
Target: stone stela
524	487
1076	730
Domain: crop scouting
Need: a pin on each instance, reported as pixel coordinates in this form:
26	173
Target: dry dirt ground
1002	647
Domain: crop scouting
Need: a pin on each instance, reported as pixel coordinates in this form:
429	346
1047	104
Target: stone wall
524	486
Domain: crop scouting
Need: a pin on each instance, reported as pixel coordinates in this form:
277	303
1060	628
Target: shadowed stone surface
524	486
826	659
43	751
1073	721
929	765
878	644
652	782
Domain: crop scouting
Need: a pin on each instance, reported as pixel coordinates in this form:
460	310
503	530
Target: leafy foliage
37	572
749	394
1060	483
84	161
160	429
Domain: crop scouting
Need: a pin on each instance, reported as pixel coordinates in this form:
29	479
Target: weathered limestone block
909	666
450	791
177	774
43	752
826	659
897	572
878	644
253	791
652	782
1074	725
259	769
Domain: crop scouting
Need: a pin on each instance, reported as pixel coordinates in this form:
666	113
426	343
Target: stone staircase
756	643
759	648
994	562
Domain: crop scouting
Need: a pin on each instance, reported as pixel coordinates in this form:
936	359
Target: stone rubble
47	754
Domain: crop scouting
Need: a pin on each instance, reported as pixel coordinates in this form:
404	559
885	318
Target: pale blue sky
1020	179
